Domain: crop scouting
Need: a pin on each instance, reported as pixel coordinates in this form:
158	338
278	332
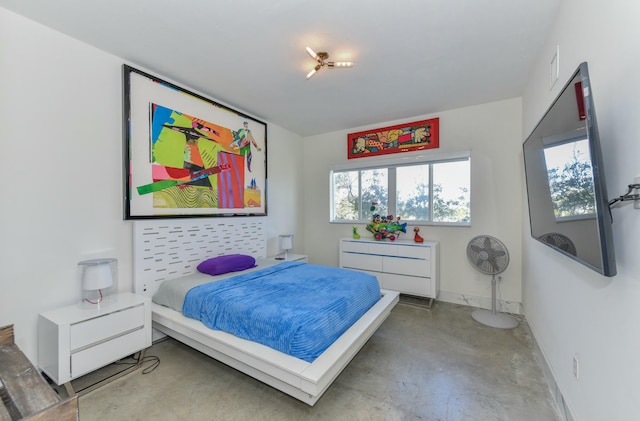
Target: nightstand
293	258
75	340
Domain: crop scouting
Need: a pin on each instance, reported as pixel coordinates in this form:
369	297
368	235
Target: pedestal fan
490	256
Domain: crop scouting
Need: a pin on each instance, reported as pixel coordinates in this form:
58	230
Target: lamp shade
96	274
286	242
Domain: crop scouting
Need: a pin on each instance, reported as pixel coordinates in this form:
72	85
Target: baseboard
480	302
561	404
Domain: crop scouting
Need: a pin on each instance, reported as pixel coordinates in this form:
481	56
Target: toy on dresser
386	227
416	237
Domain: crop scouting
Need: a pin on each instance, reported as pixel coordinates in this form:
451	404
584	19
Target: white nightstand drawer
98	329
87	360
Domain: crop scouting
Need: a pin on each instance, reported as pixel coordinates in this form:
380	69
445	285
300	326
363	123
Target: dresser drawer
414	251
383	249
98	329
362	261
405	266
355	246
407	284
88	359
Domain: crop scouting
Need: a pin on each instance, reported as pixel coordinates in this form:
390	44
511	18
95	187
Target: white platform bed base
300	379
153	263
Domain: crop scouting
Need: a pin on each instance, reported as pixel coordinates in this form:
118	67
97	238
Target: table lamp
96	275
286	244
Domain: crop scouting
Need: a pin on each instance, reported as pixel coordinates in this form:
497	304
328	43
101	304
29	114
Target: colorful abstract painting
189	164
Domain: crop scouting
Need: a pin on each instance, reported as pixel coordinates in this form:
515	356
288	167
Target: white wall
572	310
61	166
493	134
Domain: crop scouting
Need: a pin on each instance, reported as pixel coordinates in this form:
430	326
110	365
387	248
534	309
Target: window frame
391	164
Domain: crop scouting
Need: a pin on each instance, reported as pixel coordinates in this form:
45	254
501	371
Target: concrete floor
422	364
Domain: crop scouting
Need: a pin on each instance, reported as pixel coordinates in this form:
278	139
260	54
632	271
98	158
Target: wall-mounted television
566	189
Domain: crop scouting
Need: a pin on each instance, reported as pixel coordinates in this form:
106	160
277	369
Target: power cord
155	362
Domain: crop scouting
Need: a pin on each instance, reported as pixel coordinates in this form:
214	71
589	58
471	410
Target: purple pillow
228	263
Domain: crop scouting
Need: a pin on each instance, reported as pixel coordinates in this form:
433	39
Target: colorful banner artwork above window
406	137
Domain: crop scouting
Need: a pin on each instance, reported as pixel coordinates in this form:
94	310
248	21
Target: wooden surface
66	410
6	335
25	394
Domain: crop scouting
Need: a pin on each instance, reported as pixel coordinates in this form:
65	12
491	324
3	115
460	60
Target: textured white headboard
169	248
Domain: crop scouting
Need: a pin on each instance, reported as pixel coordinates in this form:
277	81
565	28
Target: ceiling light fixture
321	58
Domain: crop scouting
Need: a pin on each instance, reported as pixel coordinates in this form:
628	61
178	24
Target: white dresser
401	265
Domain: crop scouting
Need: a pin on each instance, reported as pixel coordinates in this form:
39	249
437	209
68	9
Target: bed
168	250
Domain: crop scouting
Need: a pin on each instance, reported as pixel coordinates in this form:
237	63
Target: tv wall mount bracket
631	194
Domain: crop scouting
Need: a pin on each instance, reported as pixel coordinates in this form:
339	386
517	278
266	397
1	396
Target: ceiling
412	57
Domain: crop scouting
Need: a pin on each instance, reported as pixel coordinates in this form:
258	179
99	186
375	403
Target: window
435	191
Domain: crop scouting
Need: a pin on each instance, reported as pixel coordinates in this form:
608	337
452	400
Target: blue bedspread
294	307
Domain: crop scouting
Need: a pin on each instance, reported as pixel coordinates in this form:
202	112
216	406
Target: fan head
488	254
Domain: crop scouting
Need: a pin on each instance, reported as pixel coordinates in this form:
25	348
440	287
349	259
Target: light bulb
333	64
313	71
312	53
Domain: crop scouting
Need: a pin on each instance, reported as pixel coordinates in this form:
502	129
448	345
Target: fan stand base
493	318
497	320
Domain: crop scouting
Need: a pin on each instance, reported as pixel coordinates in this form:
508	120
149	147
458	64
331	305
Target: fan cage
488	254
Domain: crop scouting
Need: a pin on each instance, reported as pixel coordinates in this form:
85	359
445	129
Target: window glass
346	196
436	192
451	185
412	187
375	190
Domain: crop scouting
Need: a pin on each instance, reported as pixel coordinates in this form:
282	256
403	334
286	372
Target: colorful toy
417	238
355	232
386	227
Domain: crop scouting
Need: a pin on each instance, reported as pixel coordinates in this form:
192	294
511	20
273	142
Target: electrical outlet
636	203
576	367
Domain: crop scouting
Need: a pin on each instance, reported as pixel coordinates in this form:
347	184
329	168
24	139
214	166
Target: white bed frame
173	248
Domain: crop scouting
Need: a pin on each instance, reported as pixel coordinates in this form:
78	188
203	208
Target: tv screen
568	204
